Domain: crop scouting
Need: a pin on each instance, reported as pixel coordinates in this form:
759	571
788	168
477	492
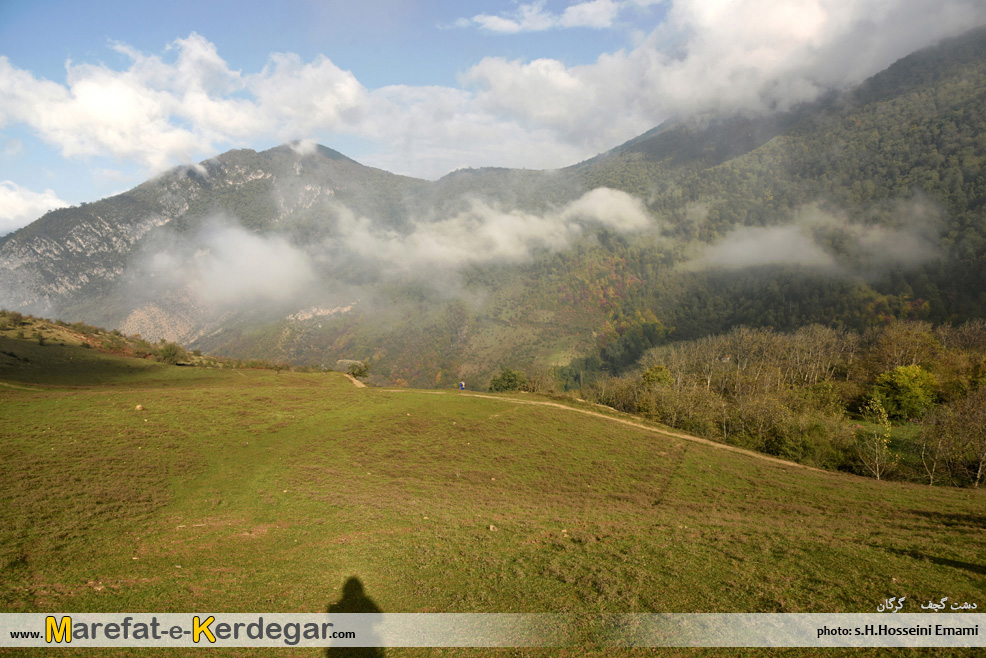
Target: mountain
863	206
75	253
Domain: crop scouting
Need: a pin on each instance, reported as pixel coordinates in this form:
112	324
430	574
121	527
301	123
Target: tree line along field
246	490
903	400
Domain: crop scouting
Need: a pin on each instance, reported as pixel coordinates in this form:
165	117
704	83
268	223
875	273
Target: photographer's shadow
354	599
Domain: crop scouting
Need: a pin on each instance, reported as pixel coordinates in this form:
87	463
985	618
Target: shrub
170	353
507	380
358	369
906	391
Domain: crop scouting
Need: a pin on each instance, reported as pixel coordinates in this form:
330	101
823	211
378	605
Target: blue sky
96	97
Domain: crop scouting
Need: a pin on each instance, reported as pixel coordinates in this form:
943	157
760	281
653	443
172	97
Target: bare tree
937	441
970	414
901	343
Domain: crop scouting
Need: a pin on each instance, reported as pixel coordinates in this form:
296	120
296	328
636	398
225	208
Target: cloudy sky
97	96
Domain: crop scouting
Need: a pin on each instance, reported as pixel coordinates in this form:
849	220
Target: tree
970	426
358	369
540	382
507	380
906	391
656	376
938	440
170	353
873	446
902	343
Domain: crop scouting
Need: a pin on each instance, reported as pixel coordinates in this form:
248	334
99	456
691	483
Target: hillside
41	351
257	491
858	209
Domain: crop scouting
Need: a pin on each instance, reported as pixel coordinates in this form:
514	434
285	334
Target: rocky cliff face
86	261
39	270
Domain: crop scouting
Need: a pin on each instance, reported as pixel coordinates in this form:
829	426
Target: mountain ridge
495	266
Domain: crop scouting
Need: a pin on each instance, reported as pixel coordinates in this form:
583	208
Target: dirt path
357	383
21	388
624	421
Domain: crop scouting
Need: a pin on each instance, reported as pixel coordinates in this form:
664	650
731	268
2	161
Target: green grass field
253	491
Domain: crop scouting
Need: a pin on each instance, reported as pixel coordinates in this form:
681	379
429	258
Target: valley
246	490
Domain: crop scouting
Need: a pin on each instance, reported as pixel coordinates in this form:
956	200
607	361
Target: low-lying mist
225	265
223	269
903	235
485	233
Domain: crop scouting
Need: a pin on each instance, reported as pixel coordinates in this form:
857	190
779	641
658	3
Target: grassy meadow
258	491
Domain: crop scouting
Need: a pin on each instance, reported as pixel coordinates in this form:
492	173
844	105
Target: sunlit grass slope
251	491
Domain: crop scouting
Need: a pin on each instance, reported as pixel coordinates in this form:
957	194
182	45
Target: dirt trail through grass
639	425
21	388
357	383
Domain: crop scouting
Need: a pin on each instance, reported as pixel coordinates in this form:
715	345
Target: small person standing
462	385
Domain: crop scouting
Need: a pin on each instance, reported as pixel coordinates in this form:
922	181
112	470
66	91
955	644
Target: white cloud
533	17
752	246
99	112
20	206
595	13
485	234
226	265
299	97
108	174
237	267
595	106
739	55
157	113
912	238
526	18
303	147
430	131
611	208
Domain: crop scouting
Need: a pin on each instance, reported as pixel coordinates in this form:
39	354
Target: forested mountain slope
862	207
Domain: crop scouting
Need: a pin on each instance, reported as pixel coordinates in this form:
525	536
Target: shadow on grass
947	519
944	561
66	365
354	599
